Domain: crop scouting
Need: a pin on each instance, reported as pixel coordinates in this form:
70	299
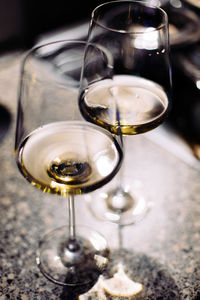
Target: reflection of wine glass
137	36
60	153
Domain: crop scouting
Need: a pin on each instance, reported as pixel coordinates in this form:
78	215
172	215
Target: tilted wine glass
60	153
136	33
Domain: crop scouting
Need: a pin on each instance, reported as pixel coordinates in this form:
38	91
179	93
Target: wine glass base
81	267
119	205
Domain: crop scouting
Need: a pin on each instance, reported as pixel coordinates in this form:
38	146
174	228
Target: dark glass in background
184	24
184	19
185	115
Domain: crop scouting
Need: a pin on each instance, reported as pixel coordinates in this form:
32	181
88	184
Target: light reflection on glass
198	84
176	3
112	217
98	242
101	261
140	207
149	41
103	163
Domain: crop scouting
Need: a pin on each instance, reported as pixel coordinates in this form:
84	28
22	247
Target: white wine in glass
138	88
60	153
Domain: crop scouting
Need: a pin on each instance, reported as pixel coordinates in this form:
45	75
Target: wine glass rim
44	44
64	41
138	2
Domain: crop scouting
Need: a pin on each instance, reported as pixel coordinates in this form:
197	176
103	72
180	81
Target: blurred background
22	21
25	23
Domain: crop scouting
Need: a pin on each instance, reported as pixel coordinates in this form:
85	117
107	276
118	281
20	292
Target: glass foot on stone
76	262
123	205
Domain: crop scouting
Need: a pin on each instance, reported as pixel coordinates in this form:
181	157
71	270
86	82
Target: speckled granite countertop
162	252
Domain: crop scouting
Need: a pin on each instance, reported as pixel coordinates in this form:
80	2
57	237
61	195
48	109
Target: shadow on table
72	293
129	275
138	268
141	272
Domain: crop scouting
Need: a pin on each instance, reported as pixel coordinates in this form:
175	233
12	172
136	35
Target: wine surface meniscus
133	104
69	157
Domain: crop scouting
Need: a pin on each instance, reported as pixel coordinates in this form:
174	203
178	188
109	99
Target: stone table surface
162	252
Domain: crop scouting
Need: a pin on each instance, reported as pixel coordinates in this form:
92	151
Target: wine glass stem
120	236
72	219
122	169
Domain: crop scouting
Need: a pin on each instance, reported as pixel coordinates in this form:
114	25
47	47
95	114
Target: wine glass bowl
55	157
60	153
138	87
143	108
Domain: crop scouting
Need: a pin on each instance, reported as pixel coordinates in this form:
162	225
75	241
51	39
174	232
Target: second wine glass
136	33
